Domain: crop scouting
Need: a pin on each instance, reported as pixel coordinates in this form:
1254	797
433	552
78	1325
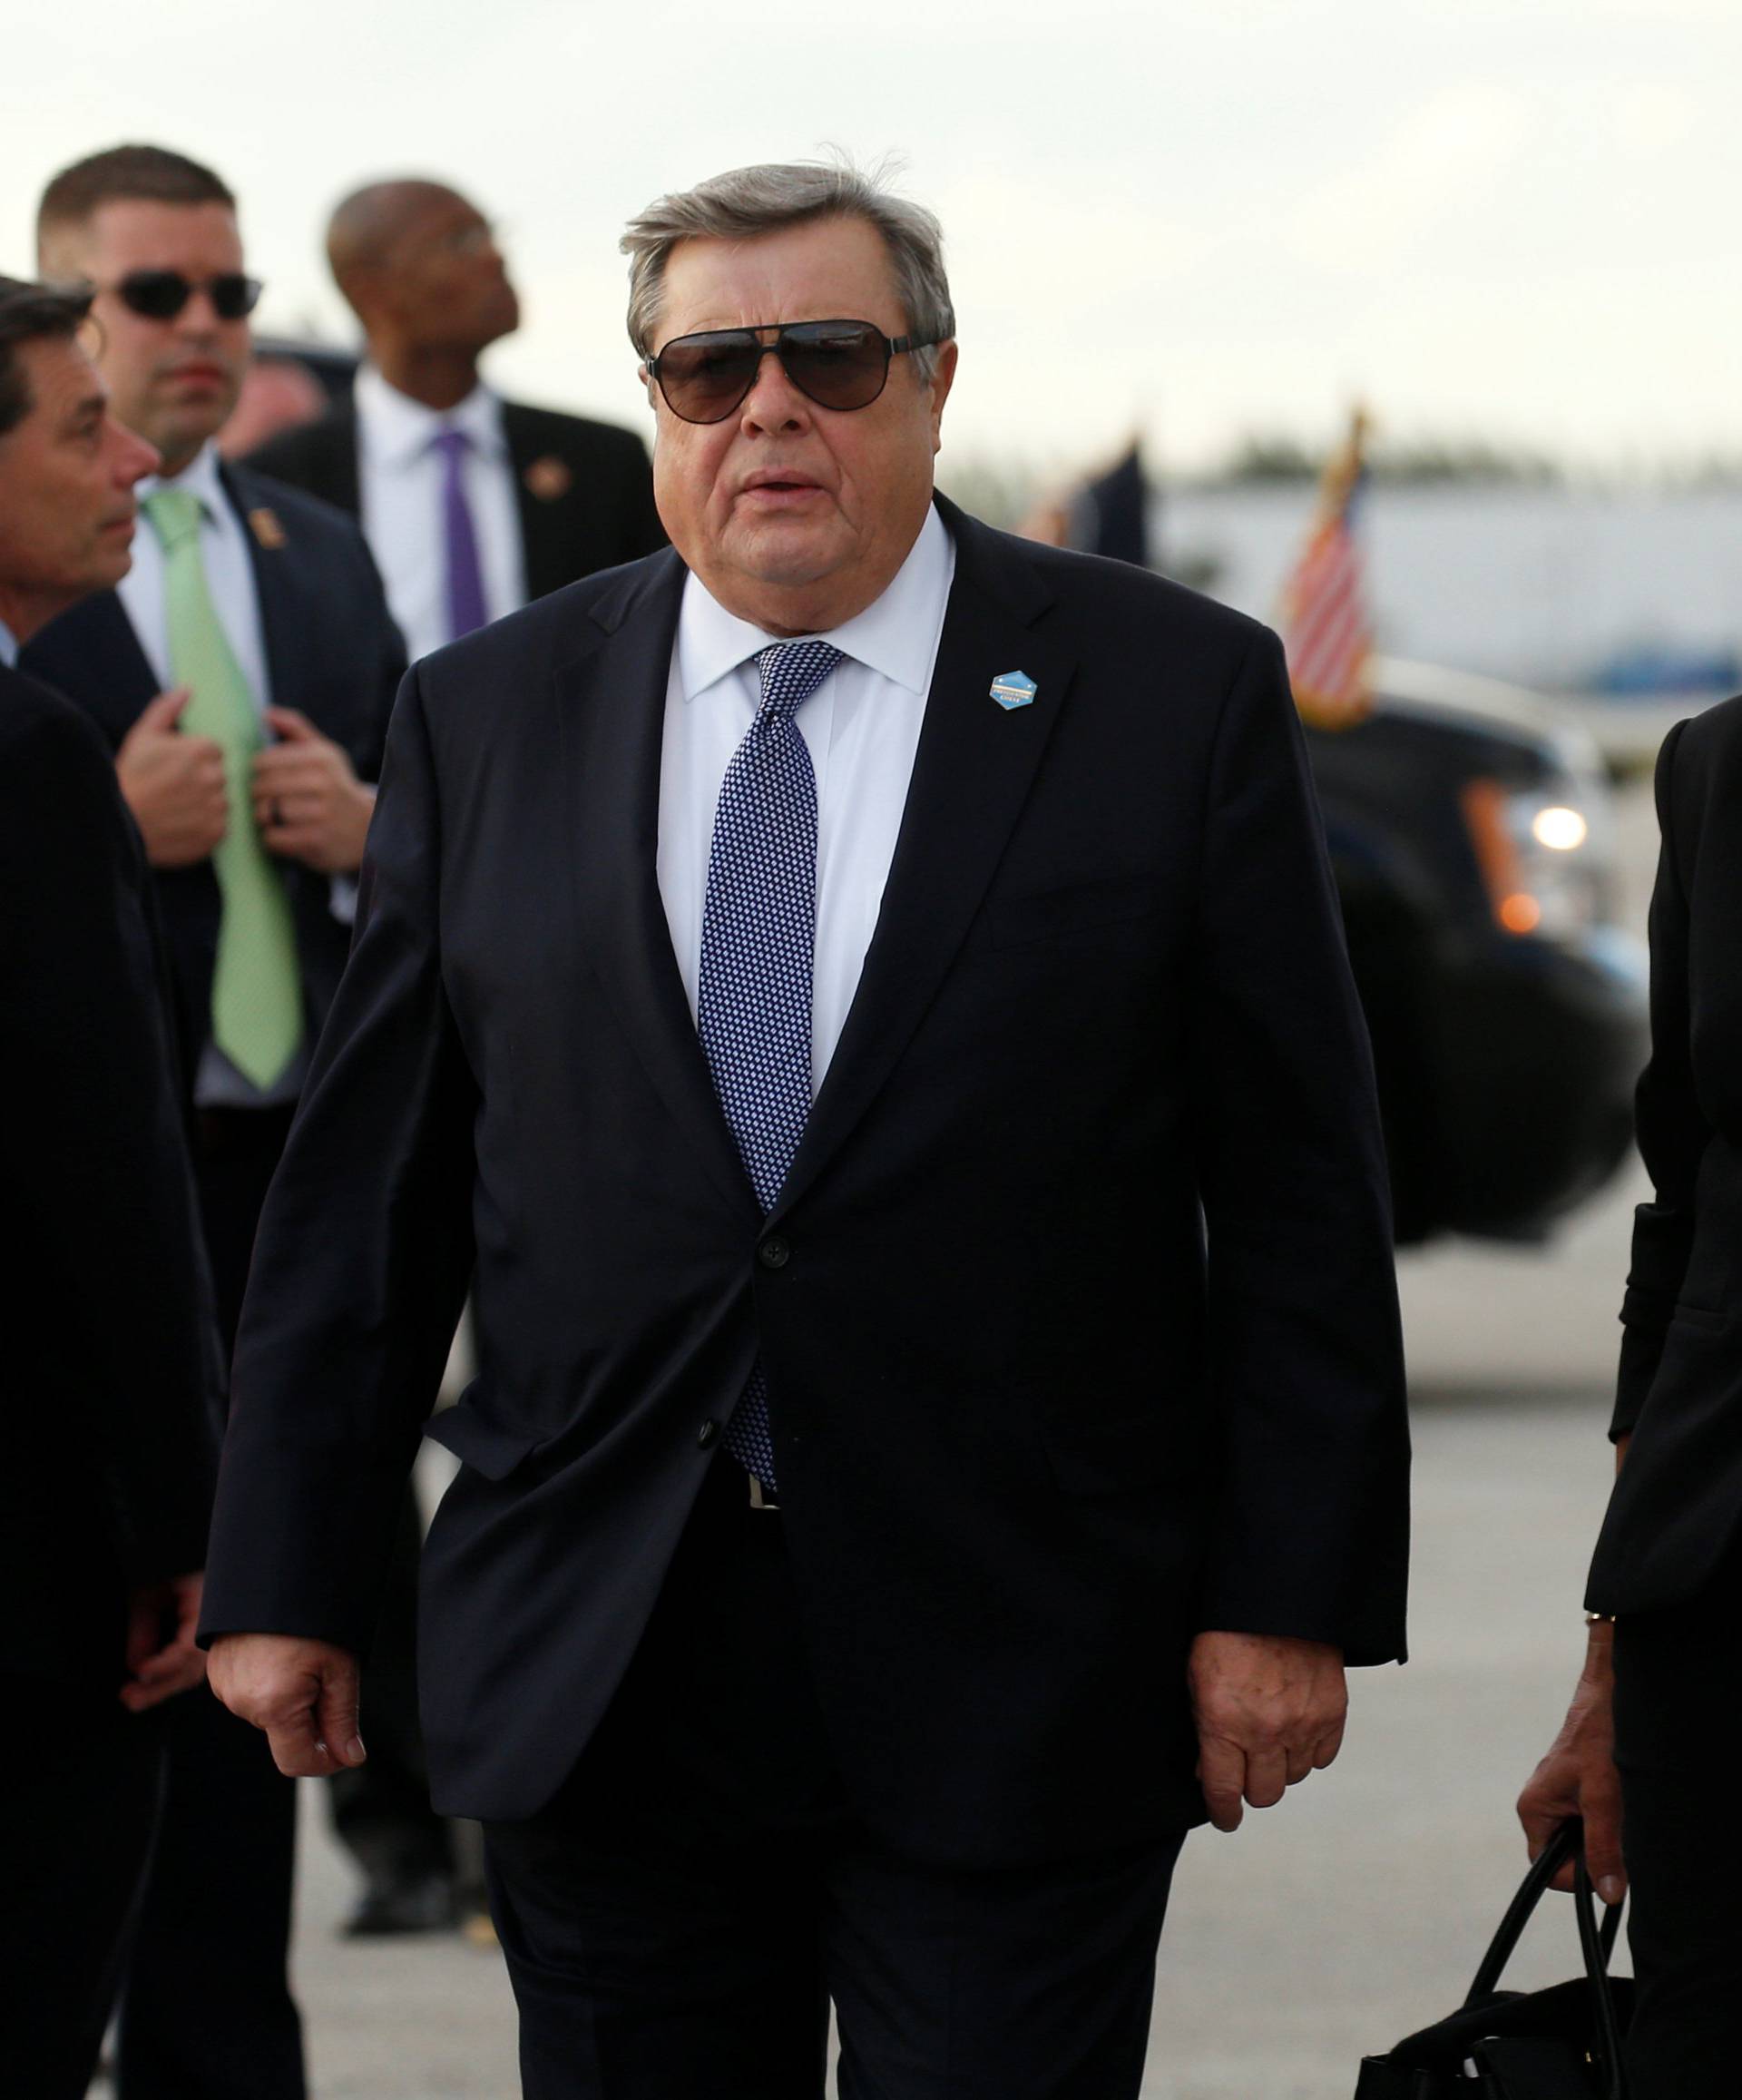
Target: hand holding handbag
1560	2043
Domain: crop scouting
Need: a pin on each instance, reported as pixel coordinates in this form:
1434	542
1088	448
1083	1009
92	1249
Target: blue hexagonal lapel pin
1013	689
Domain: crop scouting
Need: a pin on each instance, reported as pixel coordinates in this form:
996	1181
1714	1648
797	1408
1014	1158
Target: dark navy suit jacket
334	654
1033	1433
1676	1506
109	1376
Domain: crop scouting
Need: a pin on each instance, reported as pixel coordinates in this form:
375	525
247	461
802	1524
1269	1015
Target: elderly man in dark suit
111	1372
867	995
242	673
473	504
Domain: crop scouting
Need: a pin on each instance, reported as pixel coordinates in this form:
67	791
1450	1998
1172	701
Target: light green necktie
256	987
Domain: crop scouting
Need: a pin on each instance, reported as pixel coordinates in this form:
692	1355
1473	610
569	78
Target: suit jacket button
707	1433
775	1253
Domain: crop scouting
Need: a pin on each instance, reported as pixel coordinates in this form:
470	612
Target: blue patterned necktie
759	923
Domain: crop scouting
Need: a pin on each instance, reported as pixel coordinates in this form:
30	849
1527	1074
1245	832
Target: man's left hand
308	803
1269	1710
161	1655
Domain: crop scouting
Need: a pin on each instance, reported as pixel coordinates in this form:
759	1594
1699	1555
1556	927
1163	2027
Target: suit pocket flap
1105	1457
1700	1318
1045	914
479	1443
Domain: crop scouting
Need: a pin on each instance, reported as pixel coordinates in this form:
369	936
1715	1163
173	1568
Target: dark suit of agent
110	1399
242	674
109	1389
1644	1746
582	492
333	656
869	1469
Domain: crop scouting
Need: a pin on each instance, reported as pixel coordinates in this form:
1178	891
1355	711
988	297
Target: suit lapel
283	622
335	442
546	528
92	653
971	774
611	713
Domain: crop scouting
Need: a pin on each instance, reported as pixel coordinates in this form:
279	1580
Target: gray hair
748	202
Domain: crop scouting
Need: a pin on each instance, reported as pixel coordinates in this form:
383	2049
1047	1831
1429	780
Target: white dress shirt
8	646
862	729
236	601
399	487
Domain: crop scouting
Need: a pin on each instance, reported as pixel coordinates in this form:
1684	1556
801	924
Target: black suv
1472	836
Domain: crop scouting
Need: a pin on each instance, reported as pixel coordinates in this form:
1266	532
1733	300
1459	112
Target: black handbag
1560	2044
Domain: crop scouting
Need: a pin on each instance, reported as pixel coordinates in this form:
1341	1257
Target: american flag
1325	625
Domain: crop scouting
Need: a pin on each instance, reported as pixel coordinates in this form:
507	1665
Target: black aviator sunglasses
159	295
838	365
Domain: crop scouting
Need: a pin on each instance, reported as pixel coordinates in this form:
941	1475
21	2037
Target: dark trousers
381	1811
678	1919
206	2011
1677	1721
80	1782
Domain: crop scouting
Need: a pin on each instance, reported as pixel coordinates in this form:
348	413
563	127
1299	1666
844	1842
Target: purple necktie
459	539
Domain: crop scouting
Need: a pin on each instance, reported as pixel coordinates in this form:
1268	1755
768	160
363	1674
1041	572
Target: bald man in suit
543	498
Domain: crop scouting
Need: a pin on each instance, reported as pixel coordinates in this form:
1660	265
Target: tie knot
174	515
790	673
453	444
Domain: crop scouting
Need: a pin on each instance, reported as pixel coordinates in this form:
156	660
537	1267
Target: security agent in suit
842	1583
110	1369
241	673
1658	1706
547	498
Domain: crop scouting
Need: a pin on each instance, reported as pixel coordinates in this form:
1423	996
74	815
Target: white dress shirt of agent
400	472
173	377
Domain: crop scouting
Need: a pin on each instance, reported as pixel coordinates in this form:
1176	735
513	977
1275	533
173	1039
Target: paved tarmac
1356	1910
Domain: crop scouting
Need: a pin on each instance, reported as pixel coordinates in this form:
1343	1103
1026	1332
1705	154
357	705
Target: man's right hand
1578	1776
173	784
302	1692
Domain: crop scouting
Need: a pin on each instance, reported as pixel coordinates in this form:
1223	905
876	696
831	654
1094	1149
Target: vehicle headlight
1539	849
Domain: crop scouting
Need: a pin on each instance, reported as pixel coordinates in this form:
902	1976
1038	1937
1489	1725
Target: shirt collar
199	477
399	430
895	636
8	646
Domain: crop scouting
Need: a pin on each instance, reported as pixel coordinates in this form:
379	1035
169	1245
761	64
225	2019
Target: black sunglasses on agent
159	295
840	365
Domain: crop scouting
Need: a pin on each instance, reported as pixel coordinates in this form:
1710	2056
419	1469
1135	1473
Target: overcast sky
1509	219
